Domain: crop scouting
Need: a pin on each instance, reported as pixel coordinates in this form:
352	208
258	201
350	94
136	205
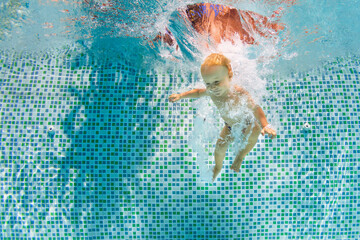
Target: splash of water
249	63
308	39
204	135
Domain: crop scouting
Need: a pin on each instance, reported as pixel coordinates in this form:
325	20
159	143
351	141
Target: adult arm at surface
194	93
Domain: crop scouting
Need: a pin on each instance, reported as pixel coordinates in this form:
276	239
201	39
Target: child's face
216	79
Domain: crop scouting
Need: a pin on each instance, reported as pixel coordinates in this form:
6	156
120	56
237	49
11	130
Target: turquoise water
92	149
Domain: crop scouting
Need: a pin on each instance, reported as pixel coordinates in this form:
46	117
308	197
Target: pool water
92	149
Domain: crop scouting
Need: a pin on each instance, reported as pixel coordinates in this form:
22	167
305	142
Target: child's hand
174	97
269	130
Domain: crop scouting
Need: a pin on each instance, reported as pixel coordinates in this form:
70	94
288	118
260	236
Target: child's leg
250	144
220	149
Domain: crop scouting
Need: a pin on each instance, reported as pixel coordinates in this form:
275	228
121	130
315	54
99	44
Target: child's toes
235	168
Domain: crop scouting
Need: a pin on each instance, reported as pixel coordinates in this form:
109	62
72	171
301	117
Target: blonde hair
217	59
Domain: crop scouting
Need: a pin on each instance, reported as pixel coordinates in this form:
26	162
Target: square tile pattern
95	151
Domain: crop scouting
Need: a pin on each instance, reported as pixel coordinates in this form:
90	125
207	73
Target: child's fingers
270	132
173	98
274	135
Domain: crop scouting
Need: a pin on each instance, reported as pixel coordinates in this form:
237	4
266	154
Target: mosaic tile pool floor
96	152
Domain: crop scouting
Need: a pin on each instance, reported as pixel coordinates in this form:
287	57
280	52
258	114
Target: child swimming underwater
242	126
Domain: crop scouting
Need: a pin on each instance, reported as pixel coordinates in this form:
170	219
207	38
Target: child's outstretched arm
265	126
195	93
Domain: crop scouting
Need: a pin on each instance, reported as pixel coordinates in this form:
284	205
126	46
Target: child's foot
236	165
216	171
